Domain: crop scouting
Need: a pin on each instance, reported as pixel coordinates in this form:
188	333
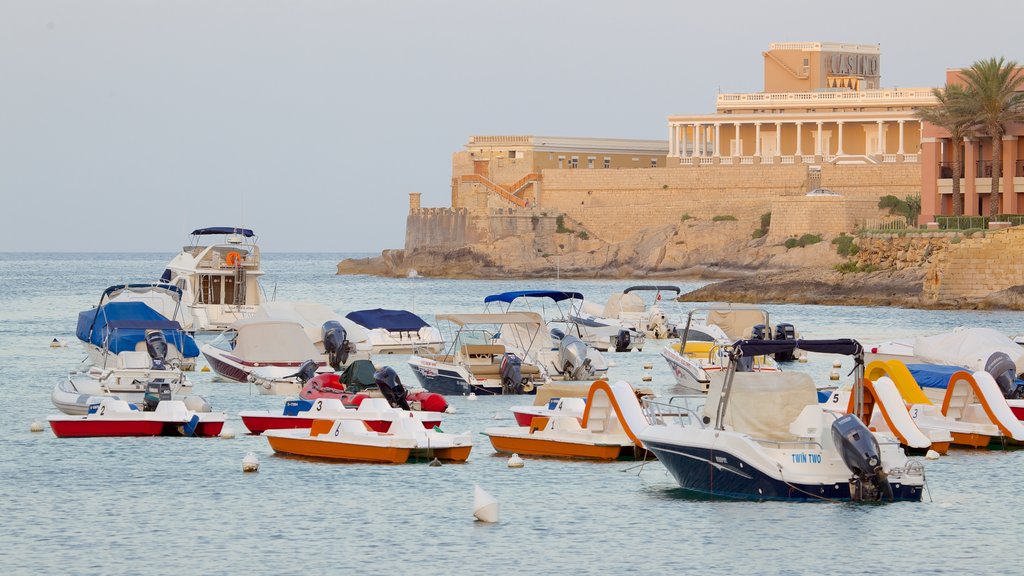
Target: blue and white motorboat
120	326
764	436
397	331
560	351
629	310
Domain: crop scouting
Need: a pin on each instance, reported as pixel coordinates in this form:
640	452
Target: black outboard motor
759	332
622	341
1004	371
863	457
335	343
511	374
306	371
785	331
156	345
156	391
557	334
391	387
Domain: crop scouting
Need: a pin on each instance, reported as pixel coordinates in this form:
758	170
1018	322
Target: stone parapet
976	267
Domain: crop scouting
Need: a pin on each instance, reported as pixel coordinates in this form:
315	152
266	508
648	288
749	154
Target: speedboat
220	282
701	355
629	310
474	363
560	352
121	325
353	440
115	417
375	412
285	335
397	331
126	376
764	436
605	431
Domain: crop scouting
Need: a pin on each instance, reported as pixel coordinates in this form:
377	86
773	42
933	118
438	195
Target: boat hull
542	447
262	423
86	429
312	448
706	471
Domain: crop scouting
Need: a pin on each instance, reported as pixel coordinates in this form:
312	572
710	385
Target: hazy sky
126	124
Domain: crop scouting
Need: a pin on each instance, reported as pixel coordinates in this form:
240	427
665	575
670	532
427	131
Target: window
574	162
590	162
607	162
511	154
654	162
561	161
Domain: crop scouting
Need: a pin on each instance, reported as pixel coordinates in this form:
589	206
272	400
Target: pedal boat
375	412
354	441
114	417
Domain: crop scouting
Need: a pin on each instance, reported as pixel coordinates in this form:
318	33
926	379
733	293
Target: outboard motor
622	341
759	332
785	332
156	391
557	334
156	345
511	374
658	325
336	343
572	357
861	454
306	371
1003	370
391	387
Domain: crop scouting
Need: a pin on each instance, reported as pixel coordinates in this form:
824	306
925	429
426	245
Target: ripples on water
166	505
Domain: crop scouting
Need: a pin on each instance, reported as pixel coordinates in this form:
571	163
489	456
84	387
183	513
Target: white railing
767	159
788	160
895	97
808	159
888	158
704	160
829	46
746	159
828	157
910	157
686	161
725	160
501	139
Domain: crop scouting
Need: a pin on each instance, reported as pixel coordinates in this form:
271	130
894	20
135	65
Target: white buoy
485	506
435	462
450	409
250	463
803	360
646	377
227	433
36	426
497	415
472	396
932	455
648	366
833	375
837	364
55	343
515	461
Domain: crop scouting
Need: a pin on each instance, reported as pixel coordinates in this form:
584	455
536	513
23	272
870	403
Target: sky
125	124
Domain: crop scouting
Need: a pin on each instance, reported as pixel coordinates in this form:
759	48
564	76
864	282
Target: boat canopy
556	295
737	322
761	404
507	318
652	288
749	348
390	320
223	230
113	291
310	315
968	347
933	375
120	326
273	340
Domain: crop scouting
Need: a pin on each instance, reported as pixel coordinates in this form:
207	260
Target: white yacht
220	281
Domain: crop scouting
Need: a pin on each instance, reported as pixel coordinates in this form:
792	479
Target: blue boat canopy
161	286
223	230
748	348
391	320
555	295
933	375
119	326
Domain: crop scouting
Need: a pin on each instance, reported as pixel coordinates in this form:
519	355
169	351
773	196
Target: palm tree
955	113
993	84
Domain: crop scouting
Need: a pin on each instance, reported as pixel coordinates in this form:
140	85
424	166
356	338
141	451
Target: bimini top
933	375
748	348
120	326
223	230
391	320
113	291
507	318
556	295
652	288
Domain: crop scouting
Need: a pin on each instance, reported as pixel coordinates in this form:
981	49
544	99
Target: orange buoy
233	259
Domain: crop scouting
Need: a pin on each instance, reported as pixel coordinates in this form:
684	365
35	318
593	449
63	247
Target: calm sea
182	505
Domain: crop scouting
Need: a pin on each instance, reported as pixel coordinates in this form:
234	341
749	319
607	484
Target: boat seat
443	358
482	353
699	348
135	360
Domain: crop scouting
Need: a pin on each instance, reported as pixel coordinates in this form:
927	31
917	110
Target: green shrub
909	207
790	243
583	235
724	218
851	266
955	240
766	220
845	246
808	239
560	225
759	233
685	217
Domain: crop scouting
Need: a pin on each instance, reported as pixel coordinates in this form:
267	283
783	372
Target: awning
507	318
391	320
223	230
555	295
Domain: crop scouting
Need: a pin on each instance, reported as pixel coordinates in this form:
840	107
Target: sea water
182	505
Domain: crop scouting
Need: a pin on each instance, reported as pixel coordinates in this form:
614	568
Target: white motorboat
764	436
220	282
474	363
126	313
560	352
629	310
701	354
284	335
397	331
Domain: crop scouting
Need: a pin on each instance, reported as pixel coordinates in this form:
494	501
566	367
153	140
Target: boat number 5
835	398
319	405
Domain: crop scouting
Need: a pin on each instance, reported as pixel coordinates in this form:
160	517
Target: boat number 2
102	410
319	405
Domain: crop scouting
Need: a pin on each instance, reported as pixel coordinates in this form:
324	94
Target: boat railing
781	444
666	413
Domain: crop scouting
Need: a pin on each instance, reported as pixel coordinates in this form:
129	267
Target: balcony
901	98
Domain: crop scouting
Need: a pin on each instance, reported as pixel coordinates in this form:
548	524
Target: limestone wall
976	267
872	181
440	228
829	215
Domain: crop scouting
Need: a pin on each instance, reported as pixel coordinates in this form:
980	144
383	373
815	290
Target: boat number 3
319	405
914	412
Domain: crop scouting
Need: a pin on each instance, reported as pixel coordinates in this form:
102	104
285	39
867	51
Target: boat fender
527	387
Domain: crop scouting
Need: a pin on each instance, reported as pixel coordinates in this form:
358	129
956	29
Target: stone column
739	143
817	144
698	145
1009	199
900	151
970	170
778	138
881	138
671	139
839	146
718	133
799	146
757	139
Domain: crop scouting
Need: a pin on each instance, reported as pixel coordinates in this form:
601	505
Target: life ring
527	387
233	259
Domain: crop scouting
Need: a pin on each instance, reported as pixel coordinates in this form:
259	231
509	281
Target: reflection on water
174	504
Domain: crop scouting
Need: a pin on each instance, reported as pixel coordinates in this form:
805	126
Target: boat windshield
225	340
